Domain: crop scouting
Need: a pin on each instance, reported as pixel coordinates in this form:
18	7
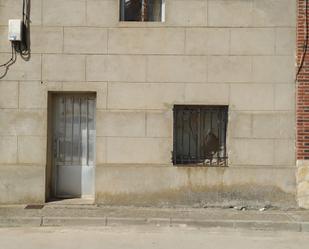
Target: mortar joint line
146	117
17	144
207	12
275	42
42	8
230	42
146	68
85	67
290	216
18	95
86	10
41	57
63	40
107	40
185	41
106	101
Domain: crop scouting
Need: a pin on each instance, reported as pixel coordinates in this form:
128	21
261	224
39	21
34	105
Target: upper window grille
200	135
142	10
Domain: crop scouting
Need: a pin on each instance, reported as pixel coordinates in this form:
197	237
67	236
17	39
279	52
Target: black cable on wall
24	48
9	63
306	36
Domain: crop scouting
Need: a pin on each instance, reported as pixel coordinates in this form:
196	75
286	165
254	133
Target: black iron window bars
141	10
200	135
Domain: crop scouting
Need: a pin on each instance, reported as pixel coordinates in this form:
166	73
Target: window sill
199	166
130	24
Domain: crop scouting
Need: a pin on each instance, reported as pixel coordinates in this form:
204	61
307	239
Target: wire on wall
23	46
10	62
305	46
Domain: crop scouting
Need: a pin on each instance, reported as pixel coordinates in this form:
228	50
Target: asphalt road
147	238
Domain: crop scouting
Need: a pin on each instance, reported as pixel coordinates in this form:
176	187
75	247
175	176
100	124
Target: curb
164	222
20	222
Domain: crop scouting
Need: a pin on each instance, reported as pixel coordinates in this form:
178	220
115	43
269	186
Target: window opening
142	10
200	135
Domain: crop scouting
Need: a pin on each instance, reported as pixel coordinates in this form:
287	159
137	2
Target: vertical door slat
91	131
84	130
76	130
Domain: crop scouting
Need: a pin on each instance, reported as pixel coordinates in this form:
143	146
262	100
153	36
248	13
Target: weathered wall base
22	184
170	186
303	183
165	185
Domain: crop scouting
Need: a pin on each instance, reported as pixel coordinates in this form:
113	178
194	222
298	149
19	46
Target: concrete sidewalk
94	215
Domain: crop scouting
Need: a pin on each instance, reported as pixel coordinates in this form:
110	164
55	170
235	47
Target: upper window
200	135
142	10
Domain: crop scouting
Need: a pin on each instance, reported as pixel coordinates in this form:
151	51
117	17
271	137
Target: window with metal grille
142	10
200	135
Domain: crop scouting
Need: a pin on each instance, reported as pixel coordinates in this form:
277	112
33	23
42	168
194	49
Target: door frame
49	172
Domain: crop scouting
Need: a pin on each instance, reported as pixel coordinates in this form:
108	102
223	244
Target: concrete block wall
239	53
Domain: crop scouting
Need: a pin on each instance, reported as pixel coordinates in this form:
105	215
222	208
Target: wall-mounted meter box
15	30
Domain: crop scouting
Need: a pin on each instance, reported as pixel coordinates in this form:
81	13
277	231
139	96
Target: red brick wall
302	112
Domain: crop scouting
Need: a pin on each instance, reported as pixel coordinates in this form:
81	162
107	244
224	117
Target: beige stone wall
239	53
303	183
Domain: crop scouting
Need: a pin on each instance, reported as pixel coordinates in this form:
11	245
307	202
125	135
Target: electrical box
15	30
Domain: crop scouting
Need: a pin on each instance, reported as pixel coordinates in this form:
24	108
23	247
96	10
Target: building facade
184	103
